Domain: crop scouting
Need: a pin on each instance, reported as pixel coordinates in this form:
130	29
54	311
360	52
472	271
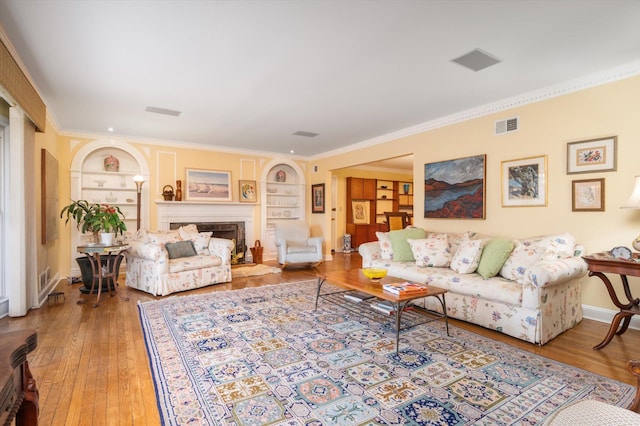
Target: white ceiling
248	74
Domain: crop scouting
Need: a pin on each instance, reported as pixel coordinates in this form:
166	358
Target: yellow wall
545	128
48	255
166	165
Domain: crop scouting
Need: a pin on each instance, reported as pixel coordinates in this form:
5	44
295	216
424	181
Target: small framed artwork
317	198
587	195
595	155
208	185
360	210
248	192
524	182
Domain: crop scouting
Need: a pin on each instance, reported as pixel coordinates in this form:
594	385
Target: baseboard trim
606	315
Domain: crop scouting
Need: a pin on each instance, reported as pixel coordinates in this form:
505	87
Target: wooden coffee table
354	279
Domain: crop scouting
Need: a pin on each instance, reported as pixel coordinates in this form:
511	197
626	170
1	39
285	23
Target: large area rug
263	356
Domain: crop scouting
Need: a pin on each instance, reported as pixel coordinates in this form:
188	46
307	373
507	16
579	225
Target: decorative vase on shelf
111	163
405	188
281	176
178	190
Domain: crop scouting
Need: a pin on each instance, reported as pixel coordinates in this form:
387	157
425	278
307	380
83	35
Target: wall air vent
506	126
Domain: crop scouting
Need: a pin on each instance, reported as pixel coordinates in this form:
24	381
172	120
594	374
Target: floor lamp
139	180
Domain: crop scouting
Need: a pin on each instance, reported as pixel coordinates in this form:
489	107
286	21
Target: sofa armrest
222	248
369	252
552	272
147	251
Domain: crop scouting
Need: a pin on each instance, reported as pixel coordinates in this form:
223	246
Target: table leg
93	277
399	307
613	328
321	281
624	315
98	262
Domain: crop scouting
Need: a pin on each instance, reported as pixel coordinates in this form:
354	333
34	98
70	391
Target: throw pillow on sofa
525	254
163	238
494	254
432	252
454	238
400	246
386	251
180	249
467	257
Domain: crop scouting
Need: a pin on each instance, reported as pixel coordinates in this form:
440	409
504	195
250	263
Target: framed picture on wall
595	155
587	195
248	192
524	182
454	189
208	185
317	198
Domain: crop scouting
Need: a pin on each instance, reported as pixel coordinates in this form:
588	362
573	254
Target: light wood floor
91	364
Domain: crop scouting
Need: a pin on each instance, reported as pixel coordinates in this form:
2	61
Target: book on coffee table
357	296
405	288
386	307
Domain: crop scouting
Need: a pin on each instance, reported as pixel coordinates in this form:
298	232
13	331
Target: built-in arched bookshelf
282	187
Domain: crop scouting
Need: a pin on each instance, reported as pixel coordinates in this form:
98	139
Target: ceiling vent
476	60
507	126
306	134
163	111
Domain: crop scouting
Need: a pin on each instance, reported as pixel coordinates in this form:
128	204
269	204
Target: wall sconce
634	203
139	180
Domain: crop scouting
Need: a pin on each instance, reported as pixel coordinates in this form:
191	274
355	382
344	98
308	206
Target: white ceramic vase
106	238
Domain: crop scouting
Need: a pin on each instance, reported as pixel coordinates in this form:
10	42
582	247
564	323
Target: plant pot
87	273
106	238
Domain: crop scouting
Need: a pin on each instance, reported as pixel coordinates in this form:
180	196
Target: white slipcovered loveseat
162	263
526	288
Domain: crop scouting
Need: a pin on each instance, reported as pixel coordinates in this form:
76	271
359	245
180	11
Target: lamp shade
634	200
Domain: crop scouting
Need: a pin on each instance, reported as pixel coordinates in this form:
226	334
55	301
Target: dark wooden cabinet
380	196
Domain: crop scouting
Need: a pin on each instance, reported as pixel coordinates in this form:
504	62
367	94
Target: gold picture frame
587	195
248	193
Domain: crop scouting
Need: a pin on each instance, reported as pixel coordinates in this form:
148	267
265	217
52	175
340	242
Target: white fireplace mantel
194	211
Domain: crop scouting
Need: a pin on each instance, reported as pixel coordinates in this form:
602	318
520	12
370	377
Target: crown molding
622	72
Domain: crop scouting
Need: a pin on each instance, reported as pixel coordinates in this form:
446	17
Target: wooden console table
18	392
598	265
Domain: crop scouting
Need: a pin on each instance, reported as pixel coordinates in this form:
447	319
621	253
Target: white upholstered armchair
295	245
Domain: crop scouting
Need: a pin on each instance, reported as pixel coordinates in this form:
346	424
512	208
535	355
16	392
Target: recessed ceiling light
306	134
292	152
110	129
476	60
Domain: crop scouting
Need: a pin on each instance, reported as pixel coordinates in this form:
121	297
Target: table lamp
139	180
634	203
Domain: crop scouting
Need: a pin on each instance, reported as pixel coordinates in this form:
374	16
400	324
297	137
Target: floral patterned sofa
529	290
162	263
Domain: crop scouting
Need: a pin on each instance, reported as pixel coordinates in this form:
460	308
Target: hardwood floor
91	364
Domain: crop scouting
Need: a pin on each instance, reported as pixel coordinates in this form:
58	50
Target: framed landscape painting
524	182
208	185
454	189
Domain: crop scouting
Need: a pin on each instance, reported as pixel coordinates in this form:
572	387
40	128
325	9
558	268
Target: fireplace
187	212
228	230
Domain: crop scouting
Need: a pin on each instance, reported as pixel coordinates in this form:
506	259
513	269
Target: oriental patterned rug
263	356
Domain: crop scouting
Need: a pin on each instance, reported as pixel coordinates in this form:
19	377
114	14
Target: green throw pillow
494	254
401	248
180	249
